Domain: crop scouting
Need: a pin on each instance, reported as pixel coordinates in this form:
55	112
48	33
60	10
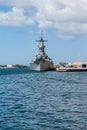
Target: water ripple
43	101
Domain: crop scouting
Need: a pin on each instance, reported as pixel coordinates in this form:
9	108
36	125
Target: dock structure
71	69
75	67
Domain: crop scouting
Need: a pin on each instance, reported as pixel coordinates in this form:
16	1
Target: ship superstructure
41	62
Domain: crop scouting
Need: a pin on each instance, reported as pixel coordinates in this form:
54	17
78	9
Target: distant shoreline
61	66
13	66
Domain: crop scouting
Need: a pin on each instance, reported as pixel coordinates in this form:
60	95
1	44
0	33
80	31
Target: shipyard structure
41	62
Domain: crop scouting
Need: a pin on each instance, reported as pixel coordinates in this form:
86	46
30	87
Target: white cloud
69	17
15	18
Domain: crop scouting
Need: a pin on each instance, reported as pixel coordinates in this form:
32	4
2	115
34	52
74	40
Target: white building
9	66
80	64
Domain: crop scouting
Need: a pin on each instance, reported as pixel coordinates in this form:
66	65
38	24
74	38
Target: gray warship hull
41	66
41	62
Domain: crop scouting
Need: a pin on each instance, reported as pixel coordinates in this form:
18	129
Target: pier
71	69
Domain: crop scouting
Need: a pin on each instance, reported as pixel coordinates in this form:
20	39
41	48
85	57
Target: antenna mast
41	40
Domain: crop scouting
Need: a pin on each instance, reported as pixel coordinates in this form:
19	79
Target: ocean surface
43	100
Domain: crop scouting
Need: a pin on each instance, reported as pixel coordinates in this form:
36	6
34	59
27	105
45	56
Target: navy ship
41	62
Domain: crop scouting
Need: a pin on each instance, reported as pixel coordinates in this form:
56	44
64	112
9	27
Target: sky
64	25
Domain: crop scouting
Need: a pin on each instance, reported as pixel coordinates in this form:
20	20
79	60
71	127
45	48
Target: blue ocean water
43	100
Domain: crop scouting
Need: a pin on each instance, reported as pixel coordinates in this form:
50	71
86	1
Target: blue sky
64	23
